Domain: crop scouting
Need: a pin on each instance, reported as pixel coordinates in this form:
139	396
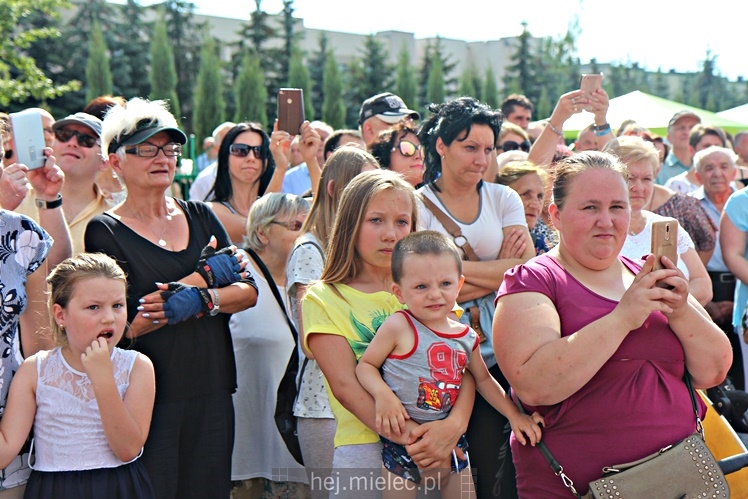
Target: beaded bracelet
555	130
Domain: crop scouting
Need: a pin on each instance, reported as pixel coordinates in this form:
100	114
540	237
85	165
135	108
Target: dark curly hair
222	189
385	142
452	121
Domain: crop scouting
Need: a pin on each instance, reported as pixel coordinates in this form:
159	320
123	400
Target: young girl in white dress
90	402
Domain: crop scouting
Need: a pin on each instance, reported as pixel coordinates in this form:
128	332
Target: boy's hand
391	415
522	425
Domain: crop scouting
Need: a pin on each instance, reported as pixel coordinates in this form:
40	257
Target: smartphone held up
290	110
589	83
28	138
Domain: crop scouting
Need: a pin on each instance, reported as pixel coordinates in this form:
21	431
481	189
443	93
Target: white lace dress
71	454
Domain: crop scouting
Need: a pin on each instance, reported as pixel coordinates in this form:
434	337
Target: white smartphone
28	138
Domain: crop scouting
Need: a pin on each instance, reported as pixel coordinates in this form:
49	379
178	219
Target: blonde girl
90	402
342	313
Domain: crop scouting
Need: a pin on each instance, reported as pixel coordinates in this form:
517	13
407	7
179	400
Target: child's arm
491	390
391	414
20	410
126	422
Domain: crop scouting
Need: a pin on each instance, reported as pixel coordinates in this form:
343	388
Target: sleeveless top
68	434
427	379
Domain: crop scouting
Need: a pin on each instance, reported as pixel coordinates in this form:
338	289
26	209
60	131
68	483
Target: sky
666	34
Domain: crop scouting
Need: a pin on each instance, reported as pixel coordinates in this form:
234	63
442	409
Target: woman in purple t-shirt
601	350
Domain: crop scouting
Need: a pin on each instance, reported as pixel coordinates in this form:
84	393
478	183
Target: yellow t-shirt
356	316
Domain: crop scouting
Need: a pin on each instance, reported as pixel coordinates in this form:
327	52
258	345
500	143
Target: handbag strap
276	294
451	227
558	470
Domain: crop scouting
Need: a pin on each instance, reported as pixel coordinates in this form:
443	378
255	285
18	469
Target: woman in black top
181	293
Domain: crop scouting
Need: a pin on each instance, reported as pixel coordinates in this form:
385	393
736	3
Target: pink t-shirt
636	404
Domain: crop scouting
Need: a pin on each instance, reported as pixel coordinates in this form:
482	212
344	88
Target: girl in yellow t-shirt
342	313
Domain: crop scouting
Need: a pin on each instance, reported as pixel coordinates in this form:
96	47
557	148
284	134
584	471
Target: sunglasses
293	226
406	148
242	151
84	140
151	151
511	145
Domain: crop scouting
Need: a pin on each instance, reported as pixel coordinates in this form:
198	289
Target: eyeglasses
242	151
293	226
84	140
151	151
511	145
406	148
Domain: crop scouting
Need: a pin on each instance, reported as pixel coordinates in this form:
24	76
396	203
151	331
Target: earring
62	327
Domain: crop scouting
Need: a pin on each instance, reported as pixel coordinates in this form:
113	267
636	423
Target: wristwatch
43	204
216	303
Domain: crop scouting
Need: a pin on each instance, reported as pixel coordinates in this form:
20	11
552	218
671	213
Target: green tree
20	78
435	93
316	64
369	74
470	83
432	53
490	92
130	74
298	77
186	36
210	105
98	75
250	91
519	76
661	87
406	85
163	74
333	108
290	39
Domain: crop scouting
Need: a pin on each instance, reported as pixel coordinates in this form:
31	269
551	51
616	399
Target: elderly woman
602	349
399	149
529	181
244	169
458	140
512	139
641	161
180	294
263	344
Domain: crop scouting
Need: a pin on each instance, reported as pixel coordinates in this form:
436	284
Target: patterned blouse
545	237
692	217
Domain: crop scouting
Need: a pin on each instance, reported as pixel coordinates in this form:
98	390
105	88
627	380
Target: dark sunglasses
84	140
293	226
406	148
511	145
242	151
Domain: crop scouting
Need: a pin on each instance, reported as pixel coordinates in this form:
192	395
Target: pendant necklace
161	240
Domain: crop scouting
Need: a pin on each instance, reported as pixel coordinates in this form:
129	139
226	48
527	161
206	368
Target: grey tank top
427	379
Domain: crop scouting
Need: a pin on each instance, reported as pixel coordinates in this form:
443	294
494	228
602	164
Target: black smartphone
290	110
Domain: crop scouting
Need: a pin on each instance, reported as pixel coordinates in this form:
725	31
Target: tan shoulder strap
452	227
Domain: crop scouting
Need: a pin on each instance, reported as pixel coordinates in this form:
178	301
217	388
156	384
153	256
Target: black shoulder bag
287	389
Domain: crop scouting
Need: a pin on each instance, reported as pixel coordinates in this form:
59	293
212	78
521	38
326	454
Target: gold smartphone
589	83
665	243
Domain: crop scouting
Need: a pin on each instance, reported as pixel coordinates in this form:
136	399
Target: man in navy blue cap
381	112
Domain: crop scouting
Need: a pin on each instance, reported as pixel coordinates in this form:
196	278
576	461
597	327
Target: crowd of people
456	288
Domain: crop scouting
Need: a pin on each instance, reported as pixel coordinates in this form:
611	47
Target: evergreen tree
316	64
432	53
20	77
468	82
367	75
98	75
405	81
298	77
435	93
290	39
130	74
185	36
519	76
661	87
210	105
490	92
250	91
163	74
333	109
